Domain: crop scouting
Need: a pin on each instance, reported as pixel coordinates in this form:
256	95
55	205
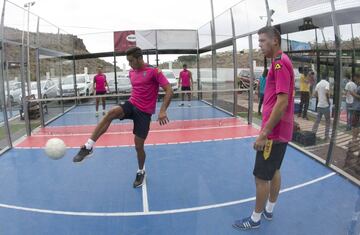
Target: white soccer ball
55	148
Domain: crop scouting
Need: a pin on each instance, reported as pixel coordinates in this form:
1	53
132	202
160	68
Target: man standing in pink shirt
100	85
141	105
276	129
186	84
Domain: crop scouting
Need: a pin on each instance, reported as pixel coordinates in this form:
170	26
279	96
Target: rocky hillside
223	60
63	43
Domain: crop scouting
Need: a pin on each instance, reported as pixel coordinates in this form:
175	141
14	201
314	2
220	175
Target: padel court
199	180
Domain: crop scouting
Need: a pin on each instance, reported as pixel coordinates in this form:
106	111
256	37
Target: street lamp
28	5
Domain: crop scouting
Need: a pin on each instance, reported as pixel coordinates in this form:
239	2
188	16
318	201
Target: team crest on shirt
277	66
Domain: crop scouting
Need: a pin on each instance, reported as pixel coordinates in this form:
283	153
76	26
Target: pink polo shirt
280	80
100	80
145	84
185	78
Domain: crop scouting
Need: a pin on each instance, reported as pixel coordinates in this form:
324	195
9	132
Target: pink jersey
185	78
145	87
100	81
280	80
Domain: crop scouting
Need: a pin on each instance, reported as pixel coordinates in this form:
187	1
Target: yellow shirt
304	84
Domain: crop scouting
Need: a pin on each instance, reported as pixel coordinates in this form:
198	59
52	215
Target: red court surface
121	134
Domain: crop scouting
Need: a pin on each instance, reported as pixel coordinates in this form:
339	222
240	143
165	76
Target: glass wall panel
13	91
346	151
204	33
223	27
172	66
243	78
286	11
206	78
249	16
225	78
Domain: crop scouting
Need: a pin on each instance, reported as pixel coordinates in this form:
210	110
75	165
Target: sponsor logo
131	38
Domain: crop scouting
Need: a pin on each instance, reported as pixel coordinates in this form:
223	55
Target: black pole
213	55
353	52
337	82
317	57
198	67
115	77
156	47
74	78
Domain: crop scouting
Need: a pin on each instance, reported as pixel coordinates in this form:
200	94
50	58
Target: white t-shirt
322	88
350	86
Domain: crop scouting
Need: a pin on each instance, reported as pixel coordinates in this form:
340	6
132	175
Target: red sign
123	40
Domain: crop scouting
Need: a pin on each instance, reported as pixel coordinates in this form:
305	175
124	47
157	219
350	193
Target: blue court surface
84	115
191	188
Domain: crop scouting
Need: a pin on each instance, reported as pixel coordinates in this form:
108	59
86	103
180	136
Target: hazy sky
86	17
121	15
95	21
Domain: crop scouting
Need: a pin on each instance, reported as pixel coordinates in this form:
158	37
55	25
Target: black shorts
355	119
265	169
141	119
186	88
100	92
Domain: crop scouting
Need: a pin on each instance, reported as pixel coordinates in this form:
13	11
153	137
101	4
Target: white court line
157	144
154	131
164	212
145	196
154	121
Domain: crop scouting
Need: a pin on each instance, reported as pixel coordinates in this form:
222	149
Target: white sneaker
182	104
189	104
96	114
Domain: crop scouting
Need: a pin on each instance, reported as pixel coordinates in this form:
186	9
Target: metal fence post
213	54
156	47
2	90
235	63
6	79
115	77
198	67
25	110
61	74
337	83
37	74
252	76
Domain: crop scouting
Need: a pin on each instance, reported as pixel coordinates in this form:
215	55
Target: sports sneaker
139	180
246	224
103	112
267	215
189	105
182	104
96	114
83	153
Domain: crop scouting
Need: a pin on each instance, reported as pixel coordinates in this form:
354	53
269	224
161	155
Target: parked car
123	84
83	83
170	75
14	92
243	80
49	89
